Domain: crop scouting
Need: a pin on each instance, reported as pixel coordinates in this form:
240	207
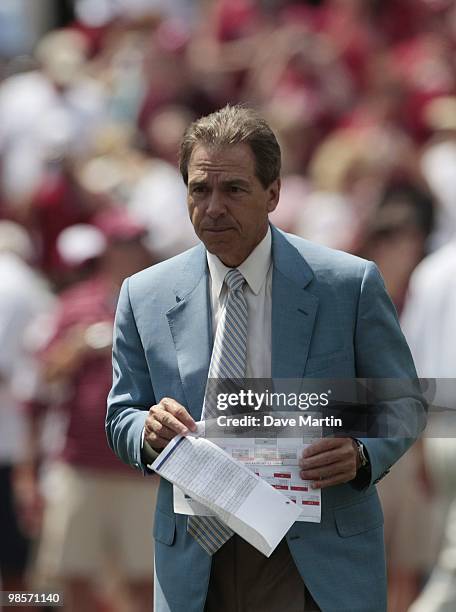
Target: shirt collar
254	269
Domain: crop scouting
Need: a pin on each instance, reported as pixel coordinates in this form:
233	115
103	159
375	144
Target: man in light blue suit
312	313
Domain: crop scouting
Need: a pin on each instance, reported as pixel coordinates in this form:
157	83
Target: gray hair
235	125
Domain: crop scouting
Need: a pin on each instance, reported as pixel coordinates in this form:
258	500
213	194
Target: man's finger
156	442
181	414
344	451
323	445
170	421
323	472
335	479
161	430
345	465
320	460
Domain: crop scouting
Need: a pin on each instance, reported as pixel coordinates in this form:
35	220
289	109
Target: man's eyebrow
197	181
235	181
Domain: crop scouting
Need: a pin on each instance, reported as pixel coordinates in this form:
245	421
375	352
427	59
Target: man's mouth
217	230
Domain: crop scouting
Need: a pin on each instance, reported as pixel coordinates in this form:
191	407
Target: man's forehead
232	159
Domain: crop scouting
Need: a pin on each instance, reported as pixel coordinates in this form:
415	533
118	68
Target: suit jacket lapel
294	309
190	323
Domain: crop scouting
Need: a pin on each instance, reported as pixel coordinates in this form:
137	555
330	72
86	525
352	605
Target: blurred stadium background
94	97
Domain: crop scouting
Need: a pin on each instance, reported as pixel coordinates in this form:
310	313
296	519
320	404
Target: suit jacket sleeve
131	394
383	357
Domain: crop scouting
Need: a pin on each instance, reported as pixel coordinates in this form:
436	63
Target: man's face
227	203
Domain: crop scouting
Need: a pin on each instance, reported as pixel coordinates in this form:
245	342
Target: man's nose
215	205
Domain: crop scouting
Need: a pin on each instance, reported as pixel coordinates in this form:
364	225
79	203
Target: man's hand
164	421
330	461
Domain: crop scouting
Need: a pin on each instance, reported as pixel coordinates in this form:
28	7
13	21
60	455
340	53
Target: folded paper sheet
240	498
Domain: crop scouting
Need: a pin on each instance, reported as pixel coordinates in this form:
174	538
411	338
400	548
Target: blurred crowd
362	96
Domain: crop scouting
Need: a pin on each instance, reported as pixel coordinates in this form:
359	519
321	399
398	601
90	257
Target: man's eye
235	189
199	189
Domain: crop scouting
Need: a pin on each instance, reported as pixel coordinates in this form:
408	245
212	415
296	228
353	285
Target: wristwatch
363	458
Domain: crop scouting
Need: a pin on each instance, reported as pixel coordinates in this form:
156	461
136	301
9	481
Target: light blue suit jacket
331	318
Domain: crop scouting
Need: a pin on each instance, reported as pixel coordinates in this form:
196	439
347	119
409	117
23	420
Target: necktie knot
234	279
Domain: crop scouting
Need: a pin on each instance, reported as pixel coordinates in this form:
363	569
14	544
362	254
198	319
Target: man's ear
273	193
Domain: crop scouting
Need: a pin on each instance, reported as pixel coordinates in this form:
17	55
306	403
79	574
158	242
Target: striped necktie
228	362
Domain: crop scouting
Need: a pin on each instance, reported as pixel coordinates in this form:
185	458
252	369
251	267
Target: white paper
276	461
230	490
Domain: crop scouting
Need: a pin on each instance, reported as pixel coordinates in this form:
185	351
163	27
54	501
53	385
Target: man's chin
218	249
218	240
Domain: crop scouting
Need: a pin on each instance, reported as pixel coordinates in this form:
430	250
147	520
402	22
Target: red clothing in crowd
56	205
85	445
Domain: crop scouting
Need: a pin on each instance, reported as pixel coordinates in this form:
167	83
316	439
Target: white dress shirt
257	271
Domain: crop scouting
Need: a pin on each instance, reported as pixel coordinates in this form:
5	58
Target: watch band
363	459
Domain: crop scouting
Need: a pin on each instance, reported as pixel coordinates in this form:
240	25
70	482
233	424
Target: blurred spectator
438	163
66	106
396	237
411	536
348	176
159	197
24	295
95	517
58	201
79	247
429	324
